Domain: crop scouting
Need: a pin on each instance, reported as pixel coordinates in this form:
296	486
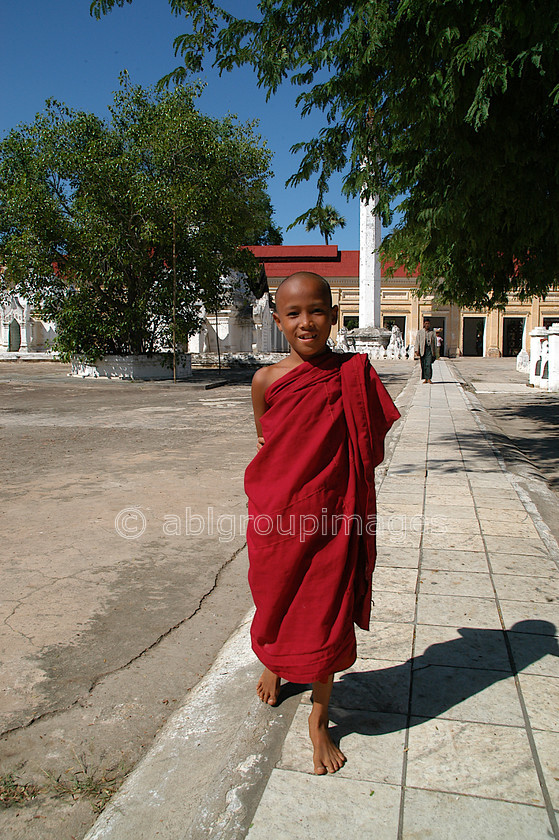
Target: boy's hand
259	443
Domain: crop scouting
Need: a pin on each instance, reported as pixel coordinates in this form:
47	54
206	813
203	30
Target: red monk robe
312	505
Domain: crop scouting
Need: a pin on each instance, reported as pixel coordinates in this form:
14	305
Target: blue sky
54	48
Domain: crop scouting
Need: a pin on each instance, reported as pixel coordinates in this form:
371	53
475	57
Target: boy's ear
275	316
334	314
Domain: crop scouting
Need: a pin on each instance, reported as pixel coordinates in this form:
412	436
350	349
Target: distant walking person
439	339
426	349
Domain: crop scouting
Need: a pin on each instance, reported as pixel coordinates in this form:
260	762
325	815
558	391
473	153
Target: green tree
326	218
451	106
95	215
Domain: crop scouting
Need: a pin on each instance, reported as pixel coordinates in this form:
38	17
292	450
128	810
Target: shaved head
303	278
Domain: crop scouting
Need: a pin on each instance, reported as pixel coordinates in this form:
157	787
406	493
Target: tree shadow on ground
531	429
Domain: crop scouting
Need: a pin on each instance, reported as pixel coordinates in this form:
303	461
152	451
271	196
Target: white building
246	326
21	331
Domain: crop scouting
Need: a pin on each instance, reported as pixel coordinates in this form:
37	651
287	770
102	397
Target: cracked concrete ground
103	634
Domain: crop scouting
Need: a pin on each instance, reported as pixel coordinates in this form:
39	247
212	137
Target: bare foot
268	687
327	757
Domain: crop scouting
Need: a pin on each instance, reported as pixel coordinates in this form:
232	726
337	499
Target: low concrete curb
205	774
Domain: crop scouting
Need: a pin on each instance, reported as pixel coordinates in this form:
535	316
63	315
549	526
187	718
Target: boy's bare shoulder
266	376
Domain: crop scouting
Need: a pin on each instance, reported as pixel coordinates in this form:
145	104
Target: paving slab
524	615
441	816
541	695
390	641
465	647
508	545
295	805
478	759
397	557
390	579
373	739
457	611
457	541
437	582
520	588
525	565
467	694
453	561
373	685
547	745
444	522
393	607
545	664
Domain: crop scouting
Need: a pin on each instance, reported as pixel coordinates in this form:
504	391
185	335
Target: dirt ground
523	423
528	419
123	572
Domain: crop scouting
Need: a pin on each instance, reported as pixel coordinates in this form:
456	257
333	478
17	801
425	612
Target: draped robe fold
311	514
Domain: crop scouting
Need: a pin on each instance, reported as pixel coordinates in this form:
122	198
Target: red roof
327	260
398	272
285	253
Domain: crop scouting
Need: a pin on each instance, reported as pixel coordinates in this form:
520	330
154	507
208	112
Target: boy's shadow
444	675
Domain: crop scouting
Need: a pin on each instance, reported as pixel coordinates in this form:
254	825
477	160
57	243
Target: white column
369	266
553	338
4	334
26	328
537	336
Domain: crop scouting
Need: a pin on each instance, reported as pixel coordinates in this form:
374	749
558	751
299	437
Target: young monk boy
321	418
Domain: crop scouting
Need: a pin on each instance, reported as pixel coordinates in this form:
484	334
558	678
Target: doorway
399	321
438	322
14	337
513	330
473	335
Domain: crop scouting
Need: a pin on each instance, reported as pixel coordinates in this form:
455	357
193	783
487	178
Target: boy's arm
259	384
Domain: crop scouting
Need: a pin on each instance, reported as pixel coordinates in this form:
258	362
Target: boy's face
305	314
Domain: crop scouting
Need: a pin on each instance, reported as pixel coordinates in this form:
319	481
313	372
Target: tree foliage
324	217
91	211
451	105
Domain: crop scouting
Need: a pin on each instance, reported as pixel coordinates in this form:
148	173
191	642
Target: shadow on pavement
443	676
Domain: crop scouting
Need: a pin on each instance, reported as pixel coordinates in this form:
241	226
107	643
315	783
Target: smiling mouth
307	337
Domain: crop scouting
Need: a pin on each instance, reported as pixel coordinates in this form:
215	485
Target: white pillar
26	328
553	337
537	336
4	334
369	266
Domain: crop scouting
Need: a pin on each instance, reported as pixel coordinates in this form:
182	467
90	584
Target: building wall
501	330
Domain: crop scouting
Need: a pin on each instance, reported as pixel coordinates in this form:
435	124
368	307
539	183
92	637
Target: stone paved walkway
449	717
